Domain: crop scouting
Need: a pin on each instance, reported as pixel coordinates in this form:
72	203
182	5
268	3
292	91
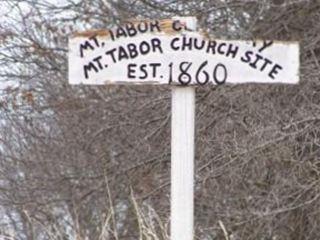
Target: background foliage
84	162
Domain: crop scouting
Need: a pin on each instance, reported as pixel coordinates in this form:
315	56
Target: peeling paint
165	26
91	33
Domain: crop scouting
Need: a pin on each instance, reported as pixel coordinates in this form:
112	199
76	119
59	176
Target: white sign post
182	157
182	162
173	52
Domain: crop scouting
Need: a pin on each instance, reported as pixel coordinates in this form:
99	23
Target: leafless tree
85	162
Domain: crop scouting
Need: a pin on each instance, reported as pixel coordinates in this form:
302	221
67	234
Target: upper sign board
169	52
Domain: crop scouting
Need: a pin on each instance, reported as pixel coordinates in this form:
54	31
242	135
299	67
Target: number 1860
202	76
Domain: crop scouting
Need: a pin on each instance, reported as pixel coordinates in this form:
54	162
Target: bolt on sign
168	52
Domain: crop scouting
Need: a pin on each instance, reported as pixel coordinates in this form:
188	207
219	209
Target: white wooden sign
167	52
173	52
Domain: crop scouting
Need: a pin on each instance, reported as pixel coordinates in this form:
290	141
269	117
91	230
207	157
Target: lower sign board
167	52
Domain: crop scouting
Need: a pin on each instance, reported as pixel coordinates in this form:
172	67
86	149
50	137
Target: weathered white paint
285	54
182	162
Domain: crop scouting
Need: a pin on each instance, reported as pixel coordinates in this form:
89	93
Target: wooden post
182	162
182	159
